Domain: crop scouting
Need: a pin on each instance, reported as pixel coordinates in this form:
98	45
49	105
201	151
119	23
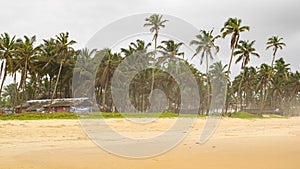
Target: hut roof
24	106
60	104
34	107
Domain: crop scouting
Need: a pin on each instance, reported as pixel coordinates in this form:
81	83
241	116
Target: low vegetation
39	116
99	115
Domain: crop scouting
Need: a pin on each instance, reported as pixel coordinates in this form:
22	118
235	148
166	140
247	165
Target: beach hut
21	107
59	106
37	107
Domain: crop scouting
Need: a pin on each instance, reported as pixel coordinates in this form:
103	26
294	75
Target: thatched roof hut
59	106
35	108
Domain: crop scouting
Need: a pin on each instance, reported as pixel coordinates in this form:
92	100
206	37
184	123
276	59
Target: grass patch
93	115
106	115
38	116
245	115
97	115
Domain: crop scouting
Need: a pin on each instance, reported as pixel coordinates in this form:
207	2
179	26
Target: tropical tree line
46	70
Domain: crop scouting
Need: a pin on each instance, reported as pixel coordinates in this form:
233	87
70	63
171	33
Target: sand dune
237	144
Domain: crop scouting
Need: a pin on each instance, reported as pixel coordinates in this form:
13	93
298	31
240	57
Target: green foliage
39	116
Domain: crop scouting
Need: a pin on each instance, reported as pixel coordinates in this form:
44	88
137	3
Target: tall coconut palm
263	83
244	51
280	81
104	75
249	85
276	43
26	53
48	62
155	22
64	51
234	28
7	49
205	44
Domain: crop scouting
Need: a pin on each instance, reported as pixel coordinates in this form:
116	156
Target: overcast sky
83	18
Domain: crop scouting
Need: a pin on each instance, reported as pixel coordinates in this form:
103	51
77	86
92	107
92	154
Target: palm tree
83	71
170	50
26	53
233	27
10	94
249	85
276	43
105	72
280	81
155	22
205	44
48	62
7	49
263	84
293	86
220	79
140	46
138	53
244	51
64	51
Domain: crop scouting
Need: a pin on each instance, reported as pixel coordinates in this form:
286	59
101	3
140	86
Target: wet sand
236	144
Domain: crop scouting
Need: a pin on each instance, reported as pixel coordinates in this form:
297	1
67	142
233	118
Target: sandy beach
236	144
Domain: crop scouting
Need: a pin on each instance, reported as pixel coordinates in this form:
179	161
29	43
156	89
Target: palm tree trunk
230	61
3	80
272	63
16	93
50	86
152	80
2	67
240	90
24	80
273	59
265	89
105	95
262	100
229	67
56	83
208	87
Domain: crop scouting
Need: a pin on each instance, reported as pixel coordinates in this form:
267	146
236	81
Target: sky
83	18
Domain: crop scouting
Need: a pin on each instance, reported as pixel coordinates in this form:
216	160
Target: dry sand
237	144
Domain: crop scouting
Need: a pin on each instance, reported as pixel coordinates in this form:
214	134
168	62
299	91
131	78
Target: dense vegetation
47	69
